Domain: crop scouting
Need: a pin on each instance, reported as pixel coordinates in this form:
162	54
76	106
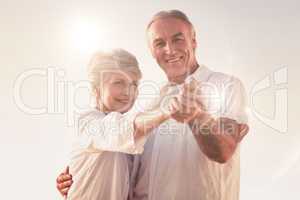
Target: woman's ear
96	93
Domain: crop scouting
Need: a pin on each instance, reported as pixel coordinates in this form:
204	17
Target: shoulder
89	116
91	113
223	79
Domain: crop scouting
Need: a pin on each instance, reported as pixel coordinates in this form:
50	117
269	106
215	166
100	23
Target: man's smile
175	59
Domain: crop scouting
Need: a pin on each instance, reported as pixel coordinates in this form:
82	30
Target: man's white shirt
172	166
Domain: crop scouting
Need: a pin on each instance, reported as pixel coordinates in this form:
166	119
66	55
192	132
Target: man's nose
169	48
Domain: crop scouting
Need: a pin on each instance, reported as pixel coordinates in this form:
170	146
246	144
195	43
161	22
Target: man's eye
159	44
178	39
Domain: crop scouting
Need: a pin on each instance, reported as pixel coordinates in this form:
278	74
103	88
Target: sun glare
87	37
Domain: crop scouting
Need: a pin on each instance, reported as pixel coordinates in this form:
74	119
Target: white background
249	39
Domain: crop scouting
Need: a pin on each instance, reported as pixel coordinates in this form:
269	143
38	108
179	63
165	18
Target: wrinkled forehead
167	27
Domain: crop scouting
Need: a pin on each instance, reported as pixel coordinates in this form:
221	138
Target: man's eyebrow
177	35
157	40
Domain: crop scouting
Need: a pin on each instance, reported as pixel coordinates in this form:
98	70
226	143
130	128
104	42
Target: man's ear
149	43
150	48
194	40
152	53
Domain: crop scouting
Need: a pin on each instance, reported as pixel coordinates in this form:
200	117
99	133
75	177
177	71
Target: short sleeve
234	101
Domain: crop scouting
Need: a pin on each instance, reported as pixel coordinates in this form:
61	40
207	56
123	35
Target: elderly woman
100	162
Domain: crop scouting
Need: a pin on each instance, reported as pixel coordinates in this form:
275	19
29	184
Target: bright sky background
249	39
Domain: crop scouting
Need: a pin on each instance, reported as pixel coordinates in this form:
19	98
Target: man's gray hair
170	14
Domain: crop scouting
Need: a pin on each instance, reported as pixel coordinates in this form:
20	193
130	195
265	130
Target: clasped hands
184	104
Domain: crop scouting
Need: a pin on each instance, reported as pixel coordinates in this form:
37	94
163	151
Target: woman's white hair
109	61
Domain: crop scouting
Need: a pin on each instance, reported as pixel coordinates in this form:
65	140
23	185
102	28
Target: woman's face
117	91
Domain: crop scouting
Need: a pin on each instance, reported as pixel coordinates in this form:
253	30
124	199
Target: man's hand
64	182
188	102
168	101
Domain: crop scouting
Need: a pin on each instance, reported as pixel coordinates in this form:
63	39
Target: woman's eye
118	82
135	85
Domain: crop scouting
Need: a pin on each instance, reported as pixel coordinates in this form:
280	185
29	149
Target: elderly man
195	155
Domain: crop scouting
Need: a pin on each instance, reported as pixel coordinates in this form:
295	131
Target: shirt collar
201	74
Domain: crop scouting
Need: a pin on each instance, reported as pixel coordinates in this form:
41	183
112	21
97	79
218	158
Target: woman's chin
124	109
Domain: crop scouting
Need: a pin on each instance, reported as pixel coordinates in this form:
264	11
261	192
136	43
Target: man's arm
217	138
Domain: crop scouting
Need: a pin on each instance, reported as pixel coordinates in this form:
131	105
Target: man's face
173	45
118	91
